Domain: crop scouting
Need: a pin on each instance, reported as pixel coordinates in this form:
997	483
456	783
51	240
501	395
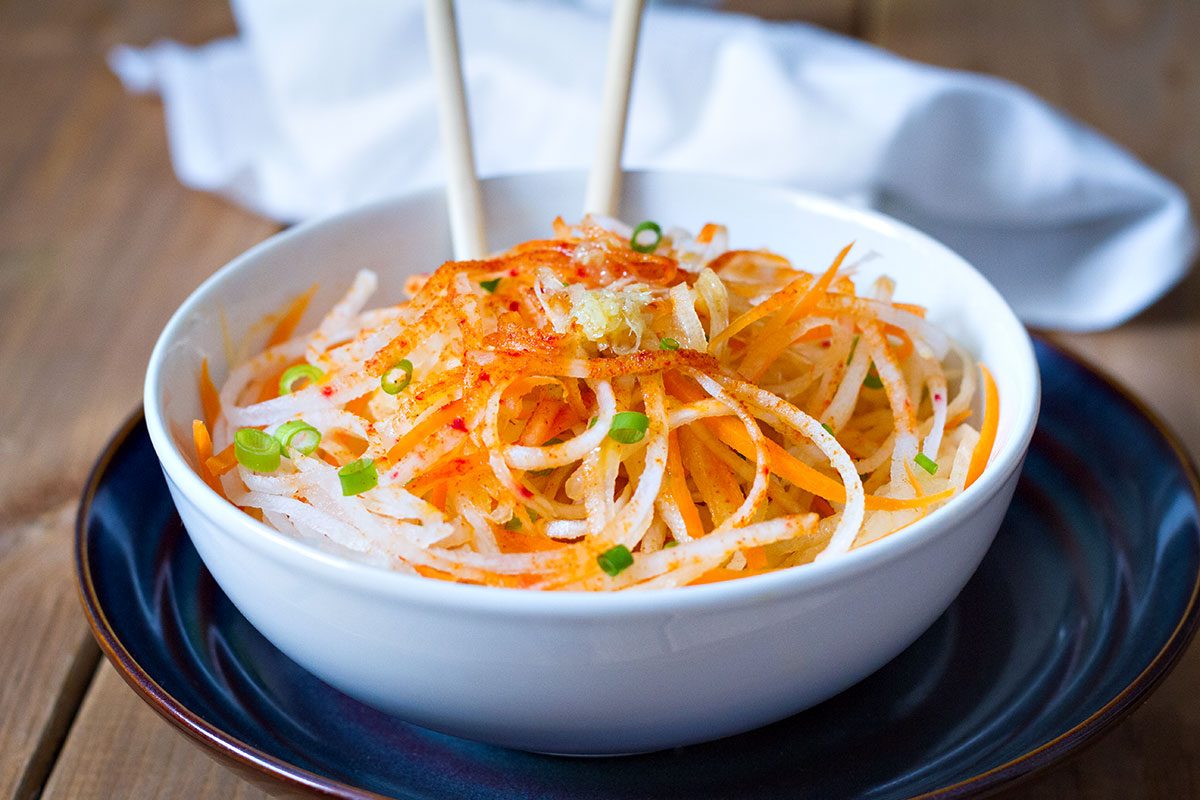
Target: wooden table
98	243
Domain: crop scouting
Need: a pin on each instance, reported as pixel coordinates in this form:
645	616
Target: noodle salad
611	408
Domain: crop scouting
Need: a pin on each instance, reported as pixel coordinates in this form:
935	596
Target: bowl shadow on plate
934	706
962	694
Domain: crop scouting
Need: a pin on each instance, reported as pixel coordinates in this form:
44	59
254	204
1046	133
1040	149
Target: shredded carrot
202	440
290	318
451	467
987	431
958	419
437	497
759	311
222	462
813	295
756	557
677	485
438	419
565	419
210	401
915	310
913	481
204	445
518	541
790	468
725	574
707	233
430	572
537	429
792	308
716	482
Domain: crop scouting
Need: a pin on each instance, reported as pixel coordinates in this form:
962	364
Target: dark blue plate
1084	603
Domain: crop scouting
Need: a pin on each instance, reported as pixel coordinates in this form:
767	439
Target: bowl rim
504	601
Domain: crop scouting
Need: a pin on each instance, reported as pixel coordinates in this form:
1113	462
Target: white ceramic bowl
586	673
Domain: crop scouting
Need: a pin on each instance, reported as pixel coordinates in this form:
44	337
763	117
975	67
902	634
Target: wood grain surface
99	242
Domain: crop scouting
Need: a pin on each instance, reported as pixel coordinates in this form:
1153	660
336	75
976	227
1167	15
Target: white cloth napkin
321	105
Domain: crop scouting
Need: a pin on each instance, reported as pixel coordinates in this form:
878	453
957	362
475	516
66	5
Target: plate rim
239	754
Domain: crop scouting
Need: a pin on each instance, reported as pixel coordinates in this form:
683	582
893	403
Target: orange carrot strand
987	431
290	318
210	401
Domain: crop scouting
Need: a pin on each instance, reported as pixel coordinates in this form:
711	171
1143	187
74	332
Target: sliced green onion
828	429
647	247
872	380
397	379
629	427
668	344
358	476
552	440
256	450
490	286
616	560
296	377
853	347
926	463
541	473
592	422
298	434
670	544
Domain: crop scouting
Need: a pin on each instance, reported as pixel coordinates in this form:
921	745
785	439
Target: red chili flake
484	377
512	273
937	398
459	424
826	344
524	492
766	470
514	306
580	272
327	391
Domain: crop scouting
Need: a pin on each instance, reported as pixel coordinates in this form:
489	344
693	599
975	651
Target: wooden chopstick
462	184
604	181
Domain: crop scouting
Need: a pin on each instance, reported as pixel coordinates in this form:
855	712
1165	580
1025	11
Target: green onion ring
628	427
256	450
649	247
616	560
358	476
297	376
397	379
298	435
